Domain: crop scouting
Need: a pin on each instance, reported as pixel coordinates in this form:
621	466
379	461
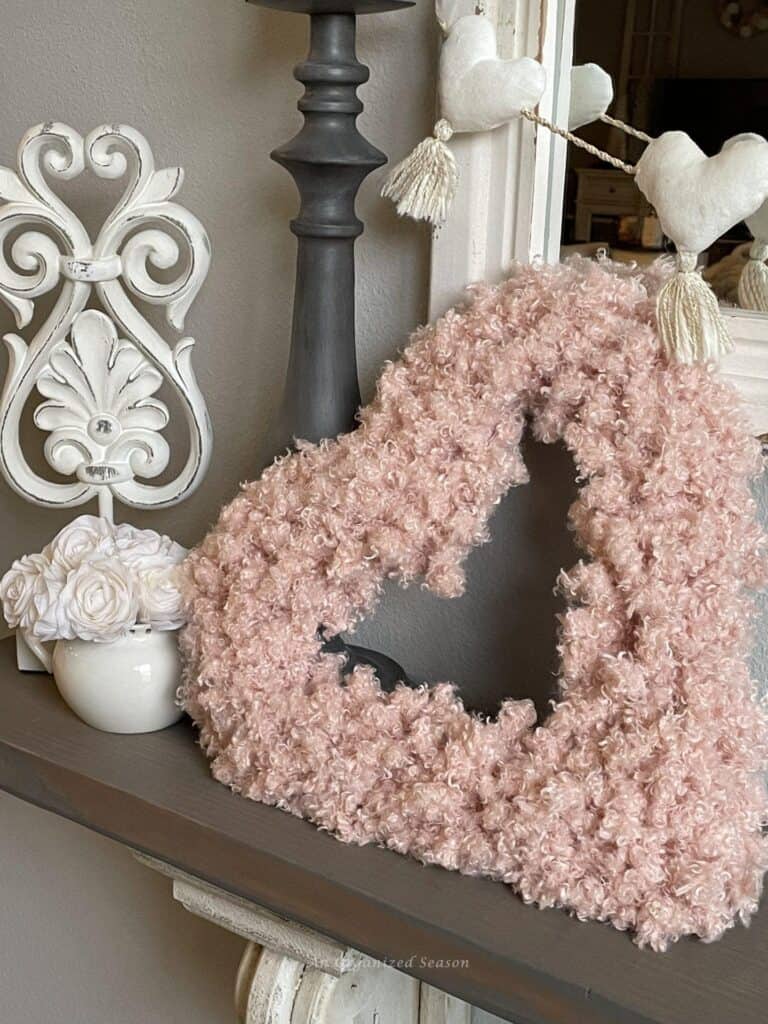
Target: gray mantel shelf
154	793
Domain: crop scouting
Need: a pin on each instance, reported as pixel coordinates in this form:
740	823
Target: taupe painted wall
87	936
210	84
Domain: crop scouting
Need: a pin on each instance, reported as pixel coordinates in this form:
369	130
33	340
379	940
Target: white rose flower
18	588
80	539
99	600
50	621
160	601
146	549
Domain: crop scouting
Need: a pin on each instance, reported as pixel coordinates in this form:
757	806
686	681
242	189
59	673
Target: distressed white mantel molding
508	197
99	371
290	974
747	366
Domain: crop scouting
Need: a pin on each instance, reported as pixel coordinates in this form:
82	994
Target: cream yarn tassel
424	184
691	327
753	283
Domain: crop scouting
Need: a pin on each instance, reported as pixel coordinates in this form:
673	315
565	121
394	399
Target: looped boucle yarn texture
639	800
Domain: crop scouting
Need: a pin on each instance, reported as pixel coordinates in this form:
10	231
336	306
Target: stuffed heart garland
591	95
639	800
478	91
697	198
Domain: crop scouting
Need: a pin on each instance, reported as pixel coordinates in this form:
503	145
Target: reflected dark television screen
710	110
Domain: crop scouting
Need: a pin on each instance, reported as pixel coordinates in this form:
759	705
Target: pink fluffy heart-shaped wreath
640	799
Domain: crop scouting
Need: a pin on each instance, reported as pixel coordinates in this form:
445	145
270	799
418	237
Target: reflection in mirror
696	66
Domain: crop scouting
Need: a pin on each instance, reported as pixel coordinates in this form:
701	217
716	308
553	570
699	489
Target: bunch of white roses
94	581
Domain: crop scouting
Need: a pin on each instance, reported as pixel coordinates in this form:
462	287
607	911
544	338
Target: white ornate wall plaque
99	371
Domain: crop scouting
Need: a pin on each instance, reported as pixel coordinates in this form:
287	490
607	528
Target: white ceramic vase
127	686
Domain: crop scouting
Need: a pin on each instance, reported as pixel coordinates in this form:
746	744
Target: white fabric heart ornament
477	92
591	95
697	198
448	12
753	282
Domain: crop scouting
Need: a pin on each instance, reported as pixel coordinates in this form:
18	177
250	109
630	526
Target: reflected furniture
607	192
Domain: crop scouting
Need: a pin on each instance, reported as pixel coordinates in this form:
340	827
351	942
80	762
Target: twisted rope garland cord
423	185
689	320
614	122
570	137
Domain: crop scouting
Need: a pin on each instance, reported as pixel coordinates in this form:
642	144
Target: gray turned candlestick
329	160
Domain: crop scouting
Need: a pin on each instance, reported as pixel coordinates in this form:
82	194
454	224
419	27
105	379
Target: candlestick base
387	670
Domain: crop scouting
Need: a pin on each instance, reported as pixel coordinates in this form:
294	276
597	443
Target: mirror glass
697	66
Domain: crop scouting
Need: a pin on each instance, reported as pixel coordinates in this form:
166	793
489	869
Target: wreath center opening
498	641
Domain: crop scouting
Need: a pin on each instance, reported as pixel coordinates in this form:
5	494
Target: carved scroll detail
99	371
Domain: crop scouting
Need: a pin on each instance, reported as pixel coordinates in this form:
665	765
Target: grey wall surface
86	935
210	83
90	936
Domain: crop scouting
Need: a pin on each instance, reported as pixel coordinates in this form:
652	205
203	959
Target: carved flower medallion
103	421
101	414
